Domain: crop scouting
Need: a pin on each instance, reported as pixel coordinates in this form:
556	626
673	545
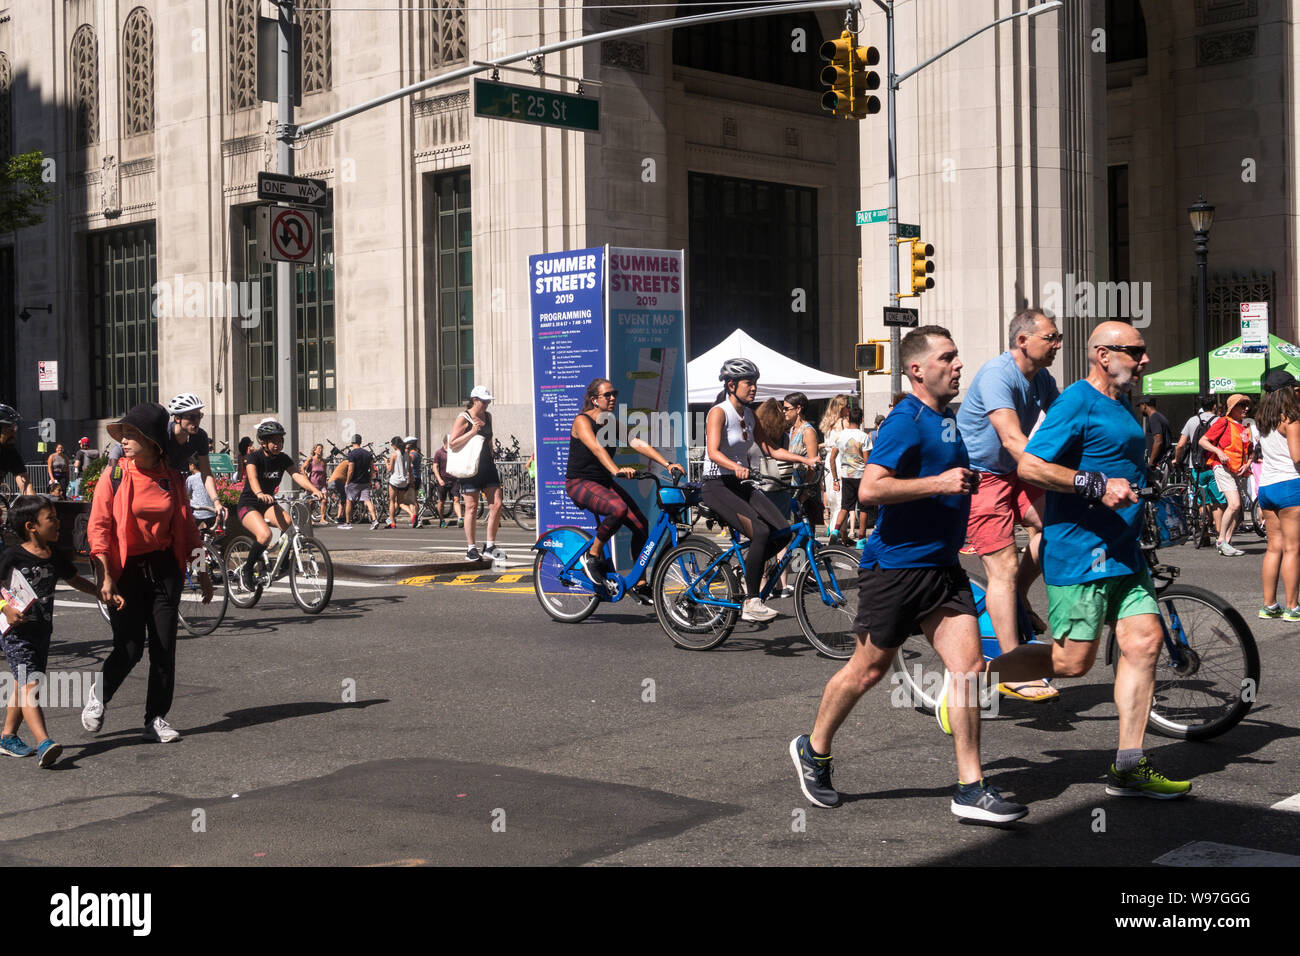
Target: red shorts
1001	503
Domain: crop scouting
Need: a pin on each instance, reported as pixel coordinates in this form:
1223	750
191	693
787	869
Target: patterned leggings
614	505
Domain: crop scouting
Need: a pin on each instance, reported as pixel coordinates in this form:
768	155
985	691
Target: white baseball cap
481	393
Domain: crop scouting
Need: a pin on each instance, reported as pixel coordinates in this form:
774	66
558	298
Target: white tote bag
464	463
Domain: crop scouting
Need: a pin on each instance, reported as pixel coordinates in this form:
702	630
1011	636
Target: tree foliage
24	191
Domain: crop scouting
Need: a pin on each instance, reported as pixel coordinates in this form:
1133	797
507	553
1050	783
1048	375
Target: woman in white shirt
1279	492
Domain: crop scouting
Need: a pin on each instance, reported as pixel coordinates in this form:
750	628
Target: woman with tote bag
473	427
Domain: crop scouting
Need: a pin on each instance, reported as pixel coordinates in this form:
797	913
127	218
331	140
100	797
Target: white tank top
737	440
1278	464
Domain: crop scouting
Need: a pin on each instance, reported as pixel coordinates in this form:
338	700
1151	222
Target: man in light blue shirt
1002	406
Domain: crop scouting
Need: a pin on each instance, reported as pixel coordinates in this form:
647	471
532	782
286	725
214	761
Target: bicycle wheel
311	574
829	627
1216	681
680	581
199	618
565	600
237	551
1257	519
525	511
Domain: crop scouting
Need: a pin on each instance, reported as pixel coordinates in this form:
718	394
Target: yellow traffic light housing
921	266
847	79
869	357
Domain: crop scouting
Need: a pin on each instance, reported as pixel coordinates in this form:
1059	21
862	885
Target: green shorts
1076	612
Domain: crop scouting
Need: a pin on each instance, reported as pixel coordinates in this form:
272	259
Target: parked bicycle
304	559
1207	676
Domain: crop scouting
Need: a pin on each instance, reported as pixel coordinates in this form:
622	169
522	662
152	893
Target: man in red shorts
1003	404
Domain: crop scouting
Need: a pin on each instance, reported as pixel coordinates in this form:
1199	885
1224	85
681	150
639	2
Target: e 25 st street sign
526	104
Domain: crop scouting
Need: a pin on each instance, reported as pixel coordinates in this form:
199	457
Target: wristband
1090	486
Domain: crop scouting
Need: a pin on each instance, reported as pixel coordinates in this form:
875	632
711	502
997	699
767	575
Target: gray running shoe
814	774
985	804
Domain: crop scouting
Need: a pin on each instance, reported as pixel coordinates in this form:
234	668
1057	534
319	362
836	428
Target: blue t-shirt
1000	384
915	441
1088	431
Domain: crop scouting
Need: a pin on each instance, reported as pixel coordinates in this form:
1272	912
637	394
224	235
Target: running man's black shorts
892	602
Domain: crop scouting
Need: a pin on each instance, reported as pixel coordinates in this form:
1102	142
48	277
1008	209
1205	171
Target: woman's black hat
149	418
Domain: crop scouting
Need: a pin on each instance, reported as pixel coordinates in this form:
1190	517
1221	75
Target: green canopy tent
1230	370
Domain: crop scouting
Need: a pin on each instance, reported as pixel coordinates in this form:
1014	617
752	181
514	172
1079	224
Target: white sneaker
755	610
92	715
1227	550
345	527
160	731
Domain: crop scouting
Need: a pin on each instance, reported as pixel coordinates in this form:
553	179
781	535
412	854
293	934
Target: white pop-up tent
778	374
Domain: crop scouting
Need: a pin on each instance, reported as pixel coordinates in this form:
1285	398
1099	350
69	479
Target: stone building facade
1032	154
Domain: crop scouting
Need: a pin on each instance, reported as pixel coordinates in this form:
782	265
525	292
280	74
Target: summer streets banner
568	325
646	308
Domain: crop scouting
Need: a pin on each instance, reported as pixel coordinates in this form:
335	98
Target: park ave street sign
292	189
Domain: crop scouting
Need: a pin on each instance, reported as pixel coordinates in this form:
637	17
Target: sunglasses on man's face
193	417
1135	352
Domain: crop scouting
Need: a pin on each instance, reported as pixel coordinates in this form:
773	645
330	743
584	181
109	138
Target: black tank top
584	464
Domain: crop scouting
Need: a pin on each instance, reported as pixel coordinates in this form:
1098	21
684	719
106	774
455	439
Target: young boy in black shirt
27	640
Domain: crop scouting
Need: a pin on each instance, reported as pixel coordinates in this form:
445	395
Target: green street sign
868	216
908	231
527	104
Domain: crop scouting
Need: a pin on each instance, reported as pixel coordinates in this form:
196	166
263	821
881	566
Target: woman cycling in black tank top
589	481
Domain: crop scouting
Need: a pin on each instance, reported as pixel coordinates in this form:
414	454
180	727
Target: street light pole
1201	214
895	81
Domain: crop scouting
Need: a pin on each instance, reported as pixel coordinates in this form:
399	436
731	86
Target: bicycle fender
566	542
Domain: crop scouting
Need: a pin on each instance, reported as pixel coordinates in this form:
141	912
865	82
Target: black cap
1279	378
148	418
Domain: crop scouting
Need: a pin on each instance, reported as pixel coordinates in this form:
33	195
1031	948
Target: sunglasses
612	393
192	417
1135	352
1053	338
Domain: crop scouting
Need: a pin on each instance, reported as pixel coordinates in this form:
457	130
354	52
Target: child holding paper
31	569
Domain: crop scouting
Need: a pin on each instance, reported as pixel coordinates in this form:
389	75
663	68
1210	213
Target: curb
396	571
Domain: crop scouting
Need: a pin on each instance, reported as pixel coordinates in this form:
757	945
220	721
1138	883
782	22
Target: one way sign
286	235
292	189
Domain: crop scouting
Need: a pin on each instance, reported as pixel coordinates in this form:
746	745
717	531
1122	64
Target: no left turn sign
293	235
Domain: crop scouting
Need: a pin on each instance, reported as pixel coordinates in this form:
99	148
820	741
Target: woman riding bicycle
730	431
257	507
589	482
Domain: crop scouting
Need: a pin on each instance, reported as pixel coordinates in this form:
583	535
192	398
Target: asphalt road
448	721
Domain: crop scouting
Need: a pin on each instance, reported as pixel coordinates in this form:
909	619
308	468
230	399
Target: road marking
410	862
1204	853
1291	804
511	578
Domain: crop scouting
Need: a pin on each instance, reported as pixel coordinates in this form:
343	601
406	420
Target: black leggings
151	586
733	501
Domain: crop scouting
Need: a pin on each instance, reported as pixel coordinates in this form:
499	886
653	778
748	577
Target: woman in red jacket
142	535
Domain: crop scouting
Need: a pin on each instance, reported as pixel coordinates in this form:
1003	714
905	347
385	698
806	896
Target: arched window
137	72
85	85
6	126
241	53
316	47
775	49
444	35
1126	31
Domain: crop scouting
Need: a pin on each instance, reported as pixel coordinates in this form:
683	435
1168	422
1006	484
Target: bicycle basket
1172	523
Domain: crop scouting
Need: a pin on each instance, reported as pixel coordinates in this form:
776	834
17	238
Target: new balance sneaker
814	774
1144	780
472	554
92	715
1270	611
13	746
159	731
979	801
47	751
1291	614
755	610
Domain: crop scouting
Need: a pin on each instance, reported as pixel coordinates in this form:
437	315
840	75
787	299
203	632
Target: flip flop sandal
1013	690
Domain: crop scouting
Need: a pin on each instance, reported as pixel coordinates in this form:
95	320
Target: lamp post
1201	214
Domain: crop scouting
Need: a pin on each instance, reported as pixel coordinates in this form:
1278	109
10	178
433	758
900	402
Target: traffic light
847	79
869	357
921	266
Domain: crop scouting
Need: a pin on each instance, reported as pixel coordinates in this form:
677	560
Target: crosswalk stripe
1291	804
1205	853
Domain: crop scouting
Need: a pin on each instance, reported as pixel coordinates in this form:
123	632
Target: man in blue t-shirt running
1090	454
909	579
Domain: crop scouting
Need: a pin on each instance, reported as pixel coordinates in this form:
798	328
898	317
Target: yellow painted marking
512	578
462	579
411	862
419	580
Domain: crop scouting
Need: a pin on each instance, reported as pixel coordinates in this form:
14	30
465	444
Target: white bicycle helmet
184	402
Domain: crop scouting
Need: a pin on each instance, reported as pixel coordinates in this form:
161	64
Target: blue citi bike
1207	675
562	586
698	587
